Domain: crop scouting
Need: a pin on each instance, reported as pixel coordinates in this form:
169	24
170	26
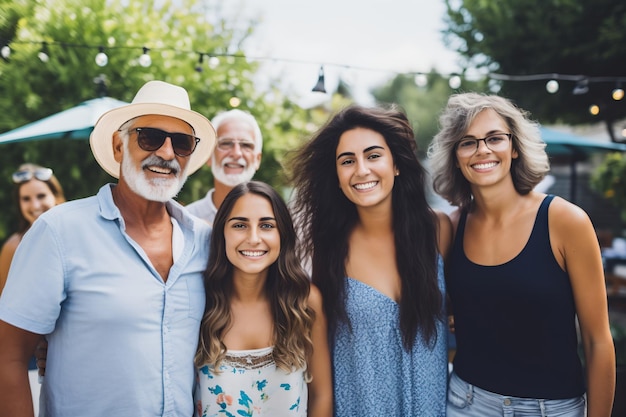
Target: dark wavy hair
325	218
287	289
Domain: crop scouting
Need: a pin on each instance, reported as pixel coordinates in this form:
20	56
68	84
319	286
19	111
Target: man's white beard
231	180
157	189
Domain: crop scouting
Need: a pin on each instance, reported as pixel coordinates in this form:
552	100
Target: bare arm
572	233
6	255
444	234
320	388
16	348
445	237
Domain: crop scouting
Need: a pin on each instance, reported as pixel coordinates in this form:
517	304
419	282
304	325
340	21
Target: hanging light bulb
552	86
43	54
5	51
145	60
618	93
594	109
214	62
101	58
319	86
200	61
421	80
454	82
582	87
494	86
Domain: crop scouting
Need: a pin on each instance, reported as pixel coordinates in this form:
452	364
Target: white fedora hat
155	97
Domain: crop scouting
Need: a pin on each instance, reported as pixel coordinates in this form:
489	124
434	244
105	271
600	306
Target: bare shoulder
11	243
13	240
566	215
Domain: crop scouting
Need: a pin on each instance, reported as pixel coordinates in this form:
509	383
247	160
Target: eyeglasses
496	142
227	145
42	174
151	139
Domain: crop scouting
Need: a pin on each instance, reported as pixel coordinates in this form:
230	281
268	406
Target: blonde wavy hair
527	170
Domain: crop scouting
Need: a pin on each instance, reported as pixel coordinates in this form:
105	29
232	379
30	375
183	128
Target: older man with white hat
115	280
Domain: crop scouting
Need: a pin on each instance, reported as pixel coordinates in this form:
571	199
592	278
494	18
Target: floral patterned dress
250	384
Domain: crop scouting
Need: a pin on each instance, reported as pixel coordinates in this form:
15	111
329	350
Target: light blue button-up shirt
204	208
121	341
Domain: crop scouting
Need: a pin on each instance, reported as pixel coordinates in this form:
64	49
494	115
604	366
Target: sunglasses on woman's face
42	174
150	139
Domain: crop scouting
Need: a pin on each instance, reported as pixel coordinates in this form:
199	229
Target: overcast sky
364	42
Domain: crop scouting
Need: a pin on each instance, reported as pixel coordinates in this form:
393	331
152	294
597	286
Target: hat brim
101	138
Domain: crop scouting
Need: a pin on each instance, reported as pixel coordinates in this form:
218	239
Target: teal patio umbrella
574	148
74	123
568	144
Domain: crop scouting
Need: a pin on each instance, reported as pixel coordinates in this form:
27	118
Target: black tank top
515	322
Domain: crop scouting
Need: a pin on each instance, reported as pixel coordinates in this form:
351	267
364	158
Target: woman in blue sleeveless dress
524	267
375	249
263	347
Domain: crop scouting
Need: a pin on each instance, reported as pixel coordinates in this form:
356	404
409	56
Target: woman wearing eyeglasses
36	191
524	267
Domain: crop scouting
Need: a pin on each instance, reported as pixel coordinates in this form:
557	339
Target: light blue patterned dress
373	374
250	384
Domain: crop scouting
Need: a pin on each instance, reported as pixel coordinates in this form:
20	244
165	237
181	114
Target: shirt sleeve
32	297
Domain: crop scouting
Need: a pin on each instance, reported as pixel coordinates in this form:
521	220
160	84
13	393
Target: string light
200	61
454	82
319	86
214	62
421	80
44	55
582	87
101	58
618	93
5	52
145	60
582	82
552	86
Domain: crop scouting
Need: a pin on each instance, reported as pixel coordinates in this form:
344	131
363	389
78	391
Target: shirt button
507	401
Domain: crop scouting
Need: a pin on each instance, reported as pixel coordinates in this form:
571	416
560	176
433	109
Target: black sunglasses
151	139
42	174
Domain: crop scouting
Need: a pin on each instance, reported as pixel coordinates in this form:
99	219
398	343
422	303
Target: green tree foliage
522	37
609	179
422	104
175	33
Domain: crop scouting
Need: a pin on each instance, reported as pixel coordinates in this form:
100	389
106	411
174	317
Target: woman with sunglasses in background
524	266
36	191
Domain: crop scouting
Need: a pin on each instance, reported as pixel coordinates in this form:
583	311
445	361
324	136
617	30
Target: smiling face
236	157
158	175
251	236
365	167
485	166
35	198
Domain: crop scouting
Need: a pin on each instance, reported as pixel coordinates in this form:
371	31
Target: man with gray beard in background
236	158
